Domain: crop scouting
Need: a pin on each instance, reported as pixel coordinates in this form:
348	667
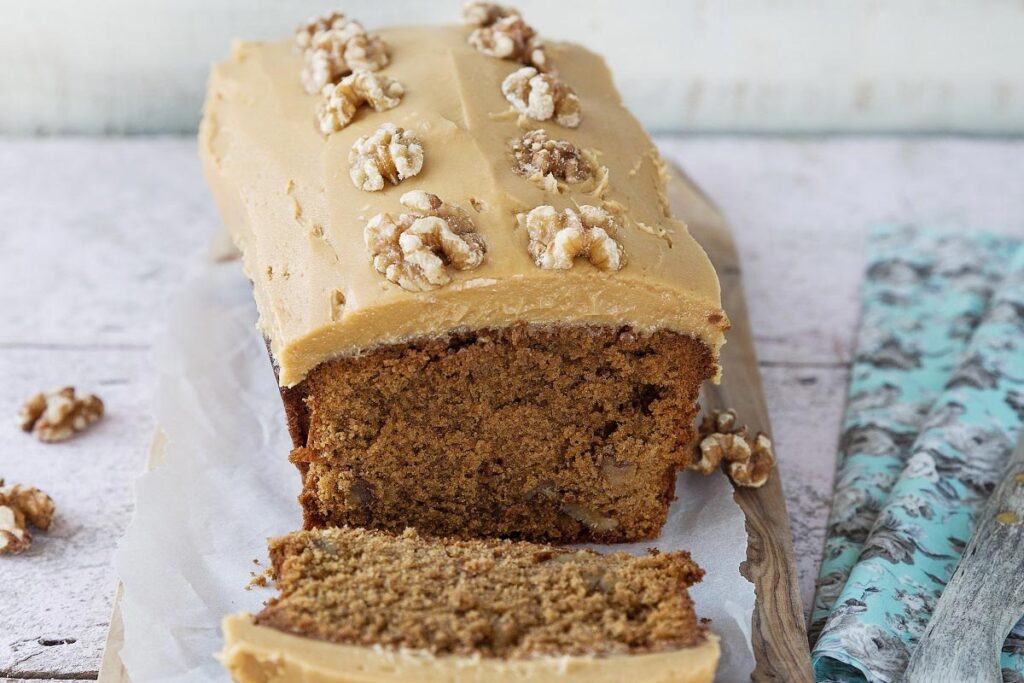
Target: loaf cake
366	606
484	318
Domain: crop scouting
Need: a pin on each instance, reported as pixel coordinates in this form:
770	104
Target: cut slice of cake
365	606
484	318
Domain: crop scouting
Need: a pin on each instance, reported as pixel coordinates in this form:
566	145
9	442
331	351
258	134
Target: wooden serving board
779	634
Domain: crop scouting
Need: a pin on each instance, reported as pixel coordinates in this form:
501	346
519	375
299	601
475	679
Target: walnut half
476	13
536	156
341	101
391	153
541	97
333	46
557	238
722	442
19	507
415	250
57	415
510	38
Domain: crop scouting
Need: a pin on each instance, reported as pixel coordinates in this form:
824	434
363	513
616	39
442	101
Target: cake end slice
359	605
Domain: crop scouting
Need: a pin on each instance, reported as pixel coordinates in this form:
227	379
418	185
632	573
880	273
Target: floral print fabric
936	400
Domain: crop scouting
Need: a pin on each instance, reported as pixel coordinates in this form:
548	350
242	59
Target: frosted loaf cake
484	319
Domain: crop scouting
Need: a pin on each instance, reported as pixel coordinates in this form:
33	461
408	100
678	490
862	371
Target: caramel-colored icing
258	654
286	197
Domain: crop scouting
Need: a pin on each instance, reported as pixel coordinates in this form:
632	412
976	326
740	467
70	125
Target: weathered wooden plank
800	209
669	57
94	237
54	619
985	596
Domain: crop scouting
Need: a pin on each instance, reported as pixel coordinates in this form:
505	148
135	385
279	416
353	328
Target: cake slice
484	319
365	606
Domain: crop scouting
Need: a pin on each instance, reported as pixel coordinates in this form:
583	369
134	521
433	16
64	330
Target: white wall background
128	66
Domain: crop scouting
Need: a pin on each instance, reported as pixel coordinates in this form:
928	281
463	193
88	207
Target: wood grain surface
985	596
778	634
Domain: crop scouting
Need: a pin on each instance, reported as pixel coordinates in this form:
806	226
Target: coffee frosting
258	654
285	195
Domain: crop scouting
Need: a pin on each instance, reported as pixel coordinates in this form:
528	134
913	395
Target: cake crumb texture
552	433
491	598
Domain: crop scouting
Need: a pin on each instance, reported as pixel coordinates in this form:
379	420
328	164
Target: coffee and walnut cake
484	319
367	606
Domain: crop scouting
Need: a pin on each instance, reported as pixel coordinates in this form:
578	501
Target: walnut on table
558	237
537	156
341	101
391	153
541	97
21	506
415	250
333	46
57	415
722	442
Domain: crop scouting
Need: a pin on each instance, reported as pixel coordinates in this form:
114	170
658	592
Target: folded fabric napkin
935	402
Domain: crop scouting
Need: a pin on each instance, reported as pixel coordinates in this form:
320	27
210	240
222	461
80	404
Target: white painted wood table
95	235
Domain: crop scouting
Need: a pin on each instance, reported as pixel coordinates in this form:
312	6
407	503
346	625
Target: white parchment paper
204	515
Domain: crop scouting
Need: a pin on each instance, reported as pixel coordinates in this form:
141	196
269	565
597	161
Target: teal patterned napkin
935	402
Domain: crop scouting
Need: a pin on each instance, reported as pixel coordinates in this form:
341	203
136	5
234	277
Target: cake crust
541	433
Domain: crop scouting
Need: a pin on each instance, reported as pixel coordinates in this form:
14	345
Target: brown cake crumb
532	432
491	598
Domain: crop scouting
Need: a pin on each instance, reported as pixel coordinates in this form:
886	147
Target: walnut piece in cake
341	101
333	46
19	507
415	250
557	238
391	153
510	38
541	97
536	156
723	442
57	415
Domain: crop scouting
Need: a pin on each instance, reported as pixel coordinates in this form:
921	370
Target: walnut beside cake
484	319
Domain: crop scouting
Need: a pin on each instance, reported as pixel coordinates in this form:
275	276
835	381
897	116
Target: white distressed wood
801	210
758	65
96	234
57	595
806	404
984	598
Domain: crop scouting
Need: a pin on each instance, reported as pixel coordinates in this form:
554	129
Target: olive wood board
778	632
